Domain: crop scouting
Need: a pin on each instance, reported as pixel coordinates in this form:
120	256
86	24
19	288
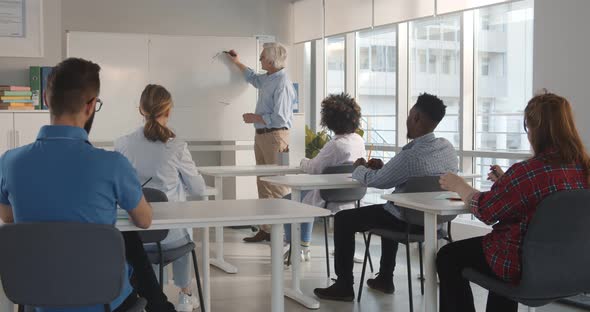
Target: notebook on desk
122	214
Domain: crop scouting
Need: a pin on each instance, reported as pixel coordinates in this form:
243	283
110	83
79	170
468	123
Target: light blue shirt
169	165
61	177
424	156
276	97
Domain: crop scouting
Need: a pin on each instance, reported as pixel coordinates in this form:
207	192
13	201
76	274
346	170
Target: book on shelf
9	101
35	83
15	98
16	93
45	71
14	88
17	104
17	107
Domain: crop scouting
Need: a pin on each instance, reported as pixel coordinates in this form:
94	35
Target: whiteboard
209	93
123	59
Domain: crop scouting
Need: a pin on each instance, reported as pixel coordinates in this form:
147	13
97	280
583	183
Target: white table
298	183
305	182
205	214
220	172
432	207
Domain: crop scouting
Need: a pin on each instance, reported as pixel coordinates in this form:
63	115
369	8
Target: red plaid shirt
512	202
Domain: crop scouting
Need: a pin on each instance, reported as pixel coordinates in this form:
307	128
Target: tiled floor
249	290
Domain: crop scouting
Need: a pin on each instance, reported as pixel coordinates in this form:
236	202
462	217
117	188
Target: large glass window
336	64
376	85
435	58
503	75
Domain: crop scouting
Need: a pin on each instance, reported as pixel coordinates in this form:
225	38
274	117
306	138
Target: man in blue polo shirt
62	177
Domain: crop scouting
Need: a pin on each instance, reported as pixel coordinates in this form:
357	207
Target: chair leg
421	268
409	277
21	308
198	278
450	236
107	308
326	245
364	268
369	253
160	266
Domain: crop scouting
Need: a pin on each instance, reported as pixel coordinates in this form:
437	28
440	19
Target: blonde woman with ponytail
158	156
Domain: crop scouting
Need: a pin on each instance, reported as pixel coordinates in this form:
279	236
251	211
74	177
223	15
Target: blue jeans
306	228
181	268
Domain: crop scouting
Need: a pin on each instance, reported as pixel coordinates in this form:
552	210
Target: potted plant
314	142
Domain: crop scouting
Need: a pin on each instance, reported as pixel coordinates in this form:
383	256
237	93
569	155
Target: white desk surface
325	181
198	214
428	202
469	175
314	181
258	170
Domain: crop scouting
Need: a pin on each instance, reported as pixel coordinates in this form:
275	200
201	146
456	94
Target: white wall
15	70
562	55
170	17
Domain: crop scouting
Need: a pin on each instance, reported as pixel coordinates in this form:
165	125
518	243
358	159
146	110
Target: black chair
341	196
164	257
555	253
414	232
44	264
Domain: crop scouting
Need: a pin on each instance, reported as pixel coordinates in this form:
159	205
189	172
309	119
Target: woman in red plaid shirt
560	162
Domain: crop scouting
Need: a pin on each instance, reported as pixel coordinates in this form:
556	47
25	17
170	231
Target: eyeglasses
98	103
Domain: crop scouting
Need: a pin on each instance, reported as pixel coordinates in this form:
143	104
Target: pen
493	169
146	182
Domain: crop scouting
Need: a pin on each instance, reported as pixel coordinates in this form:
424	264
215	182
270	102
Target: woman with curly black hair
342	115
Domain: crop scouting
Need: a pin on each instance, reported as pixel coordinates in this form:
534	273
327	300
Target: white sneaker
305	254
187	303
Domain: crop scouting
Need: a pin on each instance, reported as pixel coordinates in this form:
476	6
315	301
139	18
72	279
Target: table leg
5	304
205	272
295	291
276	243
218	261
430	244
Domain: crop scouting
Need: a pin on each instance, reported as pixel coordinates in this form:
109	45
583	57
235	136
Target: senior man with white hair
272	118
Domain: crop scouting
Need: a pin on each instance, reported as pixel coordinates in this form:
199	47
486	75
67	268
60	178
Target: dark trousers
455	291
128	303
144	279
347	223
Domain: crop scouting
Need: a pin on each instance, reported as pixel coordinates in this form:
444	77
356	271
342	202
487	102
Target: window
422	60
503	76
376	86
335	58
435	68
364	59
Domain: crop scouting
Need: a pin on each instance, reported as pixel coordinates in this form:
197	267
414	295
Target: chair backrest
419	185
342	195
61	264
153	195
556	247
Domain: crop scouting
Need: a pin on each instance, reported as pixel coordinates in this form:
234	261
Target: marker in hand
231	53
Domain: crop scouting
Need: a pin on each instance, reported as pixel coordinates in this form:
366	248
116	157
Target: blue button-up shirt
424	156
276	97
61	177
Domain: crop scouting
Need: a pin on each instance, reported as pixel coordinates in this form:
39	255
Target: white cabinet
6	132
20	128
27	125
